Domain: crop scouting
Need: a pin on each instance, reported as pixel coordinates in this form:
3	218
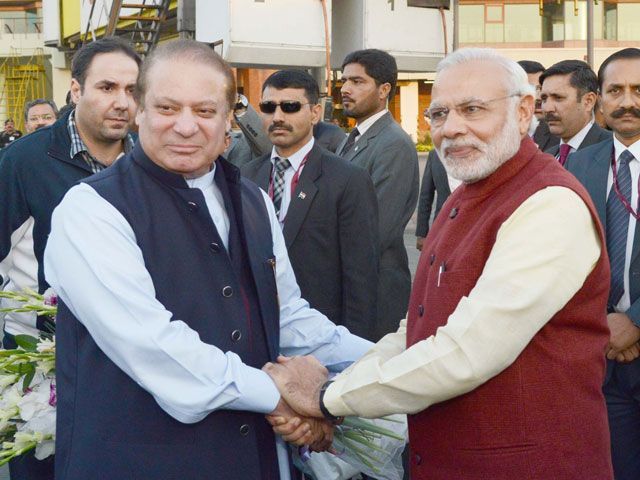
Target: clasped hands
298	418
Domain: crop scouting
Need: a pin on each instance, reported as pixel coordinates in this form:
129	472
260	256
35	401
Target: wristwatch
327	414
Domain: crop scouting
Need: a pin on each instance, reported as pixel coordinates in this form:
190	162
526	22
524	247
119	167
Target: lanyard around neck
294	180
626	202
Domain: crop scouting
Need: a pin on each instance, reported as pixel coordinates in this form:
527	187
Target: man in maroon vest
501	359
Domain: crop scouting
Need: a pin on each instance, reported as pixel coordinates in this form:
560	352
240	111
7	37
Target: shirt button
214	247
192	206
244	430
418	459
432	258
227	291
420	310
236	335
453	213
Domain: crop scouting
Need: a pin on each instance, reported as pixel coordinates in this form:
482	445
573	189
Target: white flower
50	297
6	380
35	401
46	345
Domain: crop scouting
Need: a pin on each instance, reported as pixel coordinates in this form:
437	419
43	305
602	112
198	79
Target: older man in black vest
176	288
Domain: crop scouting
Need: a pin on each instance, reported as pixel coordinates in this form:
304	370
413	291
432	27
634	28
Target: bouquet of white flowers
373	447
27	385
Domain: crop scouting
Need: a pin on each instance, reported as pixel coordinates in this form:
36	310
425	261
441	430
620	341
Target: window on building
494	23
552	22
610	21
628	14
471	23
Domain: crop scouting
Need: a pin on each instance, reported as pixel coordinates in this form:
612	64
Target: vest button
214	247
236	335
432	258
420	310
192	206
227	291
244	430
418	459
453	213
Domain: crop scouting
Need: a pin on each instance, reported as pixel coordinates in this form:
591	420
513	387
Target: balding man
500	362
175	289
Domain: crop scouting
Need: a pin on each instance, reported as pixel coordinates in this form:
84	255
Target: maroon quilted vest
543	417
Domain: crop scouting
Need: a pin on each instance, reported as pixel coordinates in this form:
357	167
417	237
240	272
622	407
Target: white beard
501	148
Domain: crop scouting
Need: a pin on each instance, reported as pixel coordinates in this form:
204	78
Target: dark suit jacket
331	231
328	136
390	157
594	135
591	166
544	138
435	183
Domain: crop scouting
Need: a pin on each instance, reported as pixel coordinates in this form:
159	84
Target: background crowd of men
148	224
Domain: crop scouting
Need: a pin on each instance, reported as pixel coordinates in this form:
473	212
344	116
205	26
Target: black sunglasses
288	106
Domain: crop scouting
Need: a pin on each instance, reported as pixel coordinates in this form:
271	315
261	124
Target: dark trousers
27	467
622	393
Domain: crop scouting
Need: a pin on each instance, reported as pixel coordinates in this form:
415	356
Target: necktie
351	140
565	148
618	227
281	165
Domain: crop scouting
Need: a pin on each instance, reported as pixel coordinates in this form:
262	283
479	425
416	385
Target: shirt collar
575	141
78	146
366	125
619	147
296	159
203	181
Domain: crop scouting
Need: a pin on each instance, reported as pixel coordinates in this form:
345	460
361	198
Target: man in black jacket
326	206
36	172
569	95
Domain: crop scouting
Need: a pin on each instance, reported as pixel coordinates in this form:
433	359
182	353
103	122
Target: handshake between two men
298	417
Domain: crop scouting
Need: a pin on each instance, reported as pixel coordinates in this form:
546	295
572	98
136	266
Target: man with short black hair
327	207
380	146
569	95
37	170
539	130
610	171
9	134
39	113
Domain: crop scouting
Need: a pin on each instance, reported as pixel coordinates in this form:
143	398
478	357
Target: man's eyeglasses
288	106
46	117
472	110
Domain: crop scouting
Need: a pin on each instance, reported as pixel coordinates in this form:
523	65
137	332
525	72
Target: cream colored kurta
542	255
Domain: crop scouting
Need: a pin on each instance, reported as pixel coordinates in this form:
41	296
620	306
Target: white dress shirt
575	141
518	292
634	166
215	203
296	166
19	270
368	123
93	262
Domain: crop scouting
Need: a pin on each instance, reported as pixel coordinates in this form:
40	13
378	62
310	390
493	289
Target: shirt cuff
333	401
263	396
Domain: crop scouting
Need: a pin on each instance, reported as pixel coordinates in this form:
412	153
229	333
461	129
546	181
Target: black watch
327	414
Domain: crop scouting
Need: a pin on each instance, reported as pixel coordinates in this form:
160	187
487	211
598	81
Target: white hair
516	81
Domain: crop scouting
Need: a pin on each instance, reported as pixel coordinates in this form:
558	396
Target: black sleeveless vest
108	427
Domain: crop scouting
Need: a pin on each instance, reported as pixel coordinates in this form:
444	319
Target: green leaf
27	342
28	378
360	424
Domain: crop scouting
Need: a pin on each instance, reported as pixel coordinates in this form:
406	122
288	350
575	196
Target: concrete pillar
409	109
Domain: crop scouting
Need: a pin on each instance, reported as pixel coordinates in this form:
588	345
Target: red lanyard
294	180
621	197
